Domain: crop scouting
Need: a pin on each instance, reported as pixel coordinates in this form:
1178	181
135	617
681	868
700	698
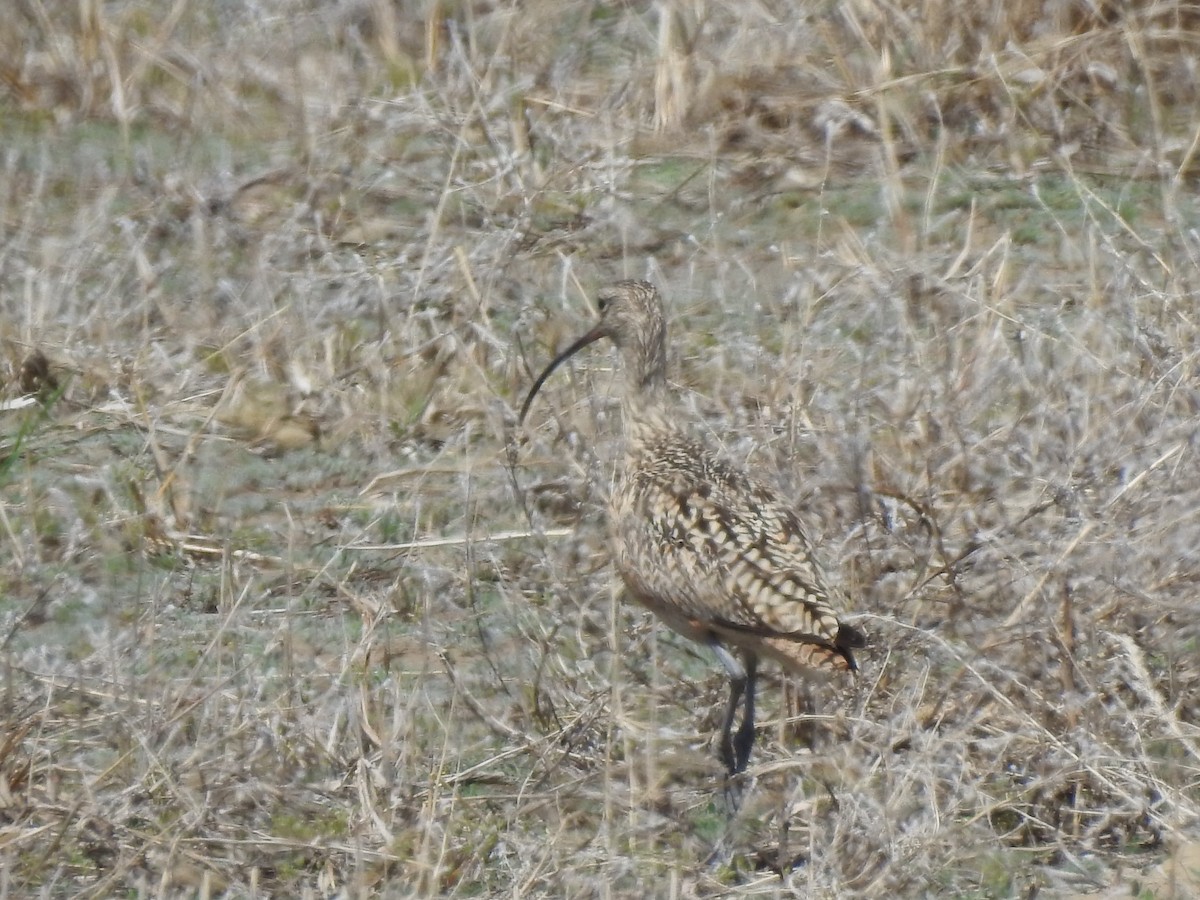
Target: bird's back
714	552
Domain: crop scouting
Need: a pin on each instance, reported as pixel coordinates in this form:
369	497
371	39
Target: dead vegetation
287	605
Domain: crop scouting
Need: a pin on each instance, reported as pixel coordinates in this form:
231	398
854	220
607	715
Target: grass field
290	607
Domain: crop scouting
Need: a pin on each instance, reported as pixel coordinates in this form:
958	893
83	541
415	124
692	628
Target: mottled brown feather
696	537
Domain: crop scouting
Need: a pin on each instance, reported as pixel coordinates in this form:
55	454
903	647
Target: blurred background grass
287	605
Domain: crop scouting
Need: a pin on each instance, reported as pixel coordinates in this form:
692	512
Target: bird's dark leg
735	749
743	741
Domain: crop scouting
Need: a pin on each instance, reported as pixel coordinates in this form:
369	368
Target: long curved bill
590	338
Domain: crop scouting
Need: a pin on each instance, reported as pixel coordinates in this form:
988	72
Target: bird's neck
645	406
646	392
645	363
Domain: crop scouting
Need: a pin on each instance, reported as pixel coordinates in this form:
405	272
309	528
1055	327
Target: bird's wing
696	533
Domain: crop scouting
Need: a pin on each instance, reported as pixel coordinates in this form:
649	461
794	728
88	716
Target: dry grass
288	609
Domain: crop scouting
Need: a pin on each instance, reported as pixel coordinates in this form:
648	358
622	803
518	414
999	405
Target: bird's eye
602	302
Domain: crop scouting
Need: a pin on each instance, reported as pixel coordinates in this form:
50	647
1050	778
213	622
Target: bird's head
632	317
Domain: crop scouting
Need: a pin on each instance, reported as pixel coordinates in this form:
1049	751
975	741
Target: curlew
714	553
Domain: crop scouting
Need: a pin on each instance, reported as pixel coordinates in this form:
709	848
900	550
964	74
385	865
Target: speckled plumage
696	539
710	550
